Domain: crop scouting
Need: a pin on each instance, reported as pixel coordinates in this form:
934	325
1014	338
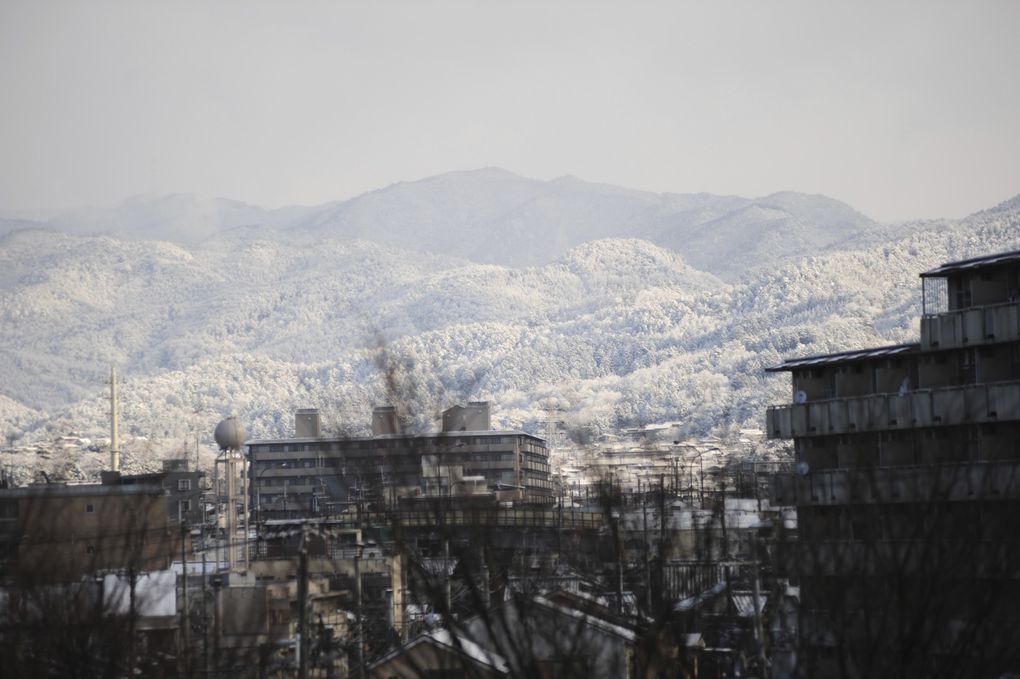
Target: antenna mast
114	422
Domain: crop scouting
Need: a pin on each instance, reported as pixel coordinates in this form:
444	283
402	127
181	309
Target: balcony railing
970	327
974	558
994	402
960	482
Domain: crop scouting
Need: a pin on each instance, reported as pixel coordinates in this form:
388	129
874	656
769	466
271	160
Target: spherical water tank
229	434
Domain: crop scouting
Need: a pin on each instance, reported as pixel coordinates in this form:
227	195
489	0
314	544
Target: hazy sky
901	109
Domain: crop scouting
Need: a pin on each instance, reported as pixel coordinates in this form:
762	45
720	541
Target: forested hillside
615	331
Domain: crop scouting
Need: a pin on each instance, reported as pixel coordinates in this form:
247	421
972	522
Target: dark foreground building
61	533
182	486
908	489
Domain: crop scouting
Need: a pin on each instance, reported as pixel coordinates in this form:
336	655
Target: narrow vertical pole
217	622
648	557
185	622
559	529
114	422
486	596
205	616
216	504
231	474
358	604
448	592
663	519
302	641
759	631
246	472
132	621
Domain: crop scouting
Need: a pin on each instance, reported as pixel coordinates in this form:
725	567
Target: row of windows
991	441
392	461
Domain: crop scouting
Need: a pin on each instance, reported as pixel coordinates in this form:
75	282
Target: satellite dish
802	468
800	396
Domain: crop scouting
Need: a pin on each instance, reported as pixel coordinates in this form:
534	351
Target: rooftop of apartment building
937	303
452	435
45	490
457	421
891	351
973	264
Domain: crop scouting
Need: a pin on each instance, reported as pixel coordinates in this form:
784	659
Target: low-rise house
439	653
556	635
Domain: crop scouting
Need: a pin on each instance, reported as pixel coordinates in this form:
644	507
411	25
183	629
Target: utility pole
663	519
216	504
185	622
217	620
448	592
358	610
559	529
302	642
759	631
648	556
205	616
486	602
132	621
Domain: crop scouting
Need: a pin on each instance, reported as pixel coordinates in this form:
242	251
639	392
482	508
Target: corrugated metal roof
974	263
846	357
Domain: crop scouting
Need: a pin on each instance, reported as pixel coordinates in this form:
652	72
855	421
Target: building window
183	484
963	296
185	506
90	549
90	508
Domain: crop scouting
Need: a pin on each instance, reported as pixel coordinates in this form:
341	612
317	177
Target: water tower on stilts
230	438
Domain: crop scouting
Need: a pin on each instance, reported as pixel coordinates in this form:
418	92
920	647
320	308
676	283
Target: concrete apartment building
310	474
908	488
182	486
60	533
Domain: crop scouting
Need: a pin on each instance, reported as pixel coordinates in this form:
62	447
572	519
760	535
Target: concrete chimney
384	421
306	424
472	417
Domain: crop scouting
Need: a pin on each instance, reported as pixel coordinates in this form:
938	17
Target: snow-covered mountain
178	217
497	217
492	216
616	331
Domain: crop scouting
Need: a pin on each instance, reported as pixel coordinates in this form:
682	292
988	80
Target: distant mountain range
493	216
613	306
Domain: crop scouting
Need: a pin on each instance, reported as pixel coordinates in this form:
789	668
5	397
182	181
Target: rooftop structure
182	486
